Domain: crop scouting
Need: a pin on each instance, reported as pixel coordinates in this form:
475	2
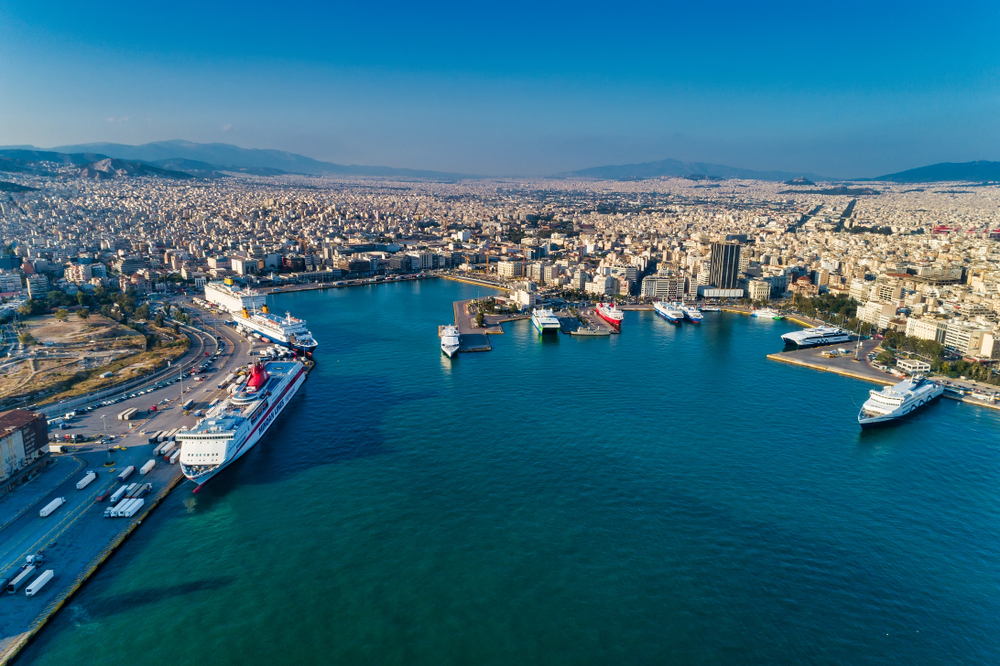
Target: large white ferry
821	335
669	311
228	296
766	313
692	314
287	331
545	321
232	427
450	340
894	402
610	313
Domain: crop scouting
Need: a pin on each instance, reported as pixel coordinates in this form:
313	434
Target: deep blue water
665	496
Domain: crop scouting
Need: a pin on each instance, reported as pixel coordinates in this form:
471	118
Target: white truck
86	480
145	469
52	506
39	583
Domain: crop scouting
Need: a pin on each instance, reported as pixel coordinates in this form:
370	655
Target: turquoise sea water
665	496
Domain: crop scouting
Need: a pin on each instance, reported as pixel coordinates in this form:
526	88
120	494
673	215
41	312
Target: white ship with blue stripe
232	427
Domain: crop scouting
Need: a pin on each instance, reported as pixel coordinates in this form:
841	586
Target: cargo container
147	468
168	448
174	456
187	405
173	433
86	480
117	495
103	496
131	509
214	402
39	583
126	472
152	437
120	507
143	489
128	414
20	579
52	506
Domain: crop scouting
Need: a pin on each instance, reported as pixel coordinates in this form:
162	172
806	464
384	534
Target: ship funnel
264	309
229	281
246	315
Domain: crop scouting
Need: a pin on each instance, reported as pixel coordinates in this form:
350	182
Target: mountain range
183	159
978	171
226	157
676	168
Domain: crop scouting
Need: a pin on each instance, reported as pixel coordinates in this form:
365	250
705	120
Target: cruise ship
894	402
450	340
812	337
287	331
232	298
766	313
233	426
692	314
610	313
669	311
545	321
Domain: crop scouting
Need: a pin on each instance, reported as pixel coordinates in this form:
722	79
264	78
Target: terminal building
23	447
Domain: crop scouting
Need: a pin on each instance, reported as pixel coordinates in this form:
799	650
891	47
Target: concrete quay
76	539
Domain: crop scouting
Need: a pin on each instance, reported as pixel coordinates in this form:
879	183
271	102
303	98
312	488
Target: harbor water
662	496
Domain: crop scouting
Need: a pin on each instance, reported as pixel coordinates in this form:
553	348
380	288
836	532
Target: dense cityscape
915	260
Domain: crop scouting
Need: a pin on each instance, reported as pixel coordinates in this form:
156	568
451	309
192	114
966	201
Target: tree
55	298
106	310
26	338
166	309
159	320
82	298
177	328
83	313
142	312
62	314
480	319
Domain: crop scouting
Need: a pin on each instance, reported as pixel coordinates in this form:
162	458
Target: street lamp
107	446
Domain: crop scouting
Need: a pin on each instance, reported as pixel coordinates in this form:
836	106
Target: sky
846	89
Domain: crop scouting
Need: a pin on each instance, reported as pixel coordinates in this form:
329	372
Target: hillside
978	171
233	158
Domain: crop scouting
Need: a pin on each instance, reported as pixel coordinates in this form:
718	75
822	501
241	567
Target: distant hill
227	157
14	187
678	169
34	155
114	168
978	171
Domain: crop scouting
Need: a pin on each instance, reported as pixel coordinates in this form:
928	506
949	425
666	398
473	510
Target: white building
926	329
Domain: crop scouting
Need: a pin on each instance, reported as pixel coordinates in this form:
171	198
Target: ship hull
542	330
891	419
257	433
614	322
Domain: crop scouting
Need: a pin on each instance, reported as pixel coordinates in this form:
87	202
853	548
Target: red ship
609	313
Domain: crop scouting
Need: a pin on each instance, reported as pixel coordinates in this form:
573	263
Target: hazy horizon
855	91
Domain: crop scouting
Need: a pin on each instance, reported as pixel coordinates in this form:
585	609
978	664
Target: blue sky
843	89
